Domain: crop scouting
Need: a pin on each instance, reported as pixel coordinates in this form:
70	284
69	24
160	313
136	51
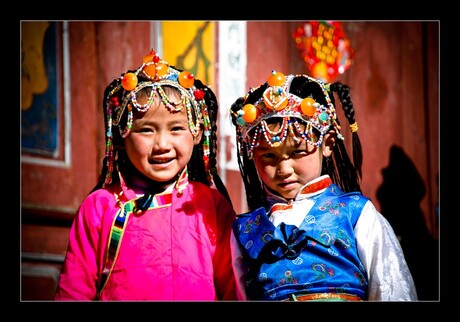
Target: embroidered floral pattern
331	207
248	225
322	271
343	239
289	279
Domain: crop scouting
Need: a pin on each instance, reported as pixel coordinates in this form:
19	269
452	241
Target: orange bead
250	113
186	79
129	81
307	106
162	68
275	101
147	59
276	79
281	105
151	70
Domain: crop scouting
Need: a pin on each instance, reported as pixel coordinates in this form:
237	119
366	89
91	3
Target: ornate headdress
155	73
277	101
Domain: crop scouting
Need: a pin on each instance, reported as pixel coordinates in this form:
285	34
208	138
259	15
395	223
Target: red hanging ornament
324	48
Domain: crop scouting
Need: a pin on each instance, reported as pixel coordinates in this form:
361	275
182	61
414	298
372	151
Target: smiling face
286	168
160	143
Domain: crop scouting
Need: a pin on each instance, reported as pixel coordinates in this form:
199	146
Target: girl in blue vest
310	234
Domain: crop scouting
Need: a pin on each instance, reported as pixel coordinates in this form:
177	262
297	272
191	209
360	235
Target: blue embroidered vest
318	257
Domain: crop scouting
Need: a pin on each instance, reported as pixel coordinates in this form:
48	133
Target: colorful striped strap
117	232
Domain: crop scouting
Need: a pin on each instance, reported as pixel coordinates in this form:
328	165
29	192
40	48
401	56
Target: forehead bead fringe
298	116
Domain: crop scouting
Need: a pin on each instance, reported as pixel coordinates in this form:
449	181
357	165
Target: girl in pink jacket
157	225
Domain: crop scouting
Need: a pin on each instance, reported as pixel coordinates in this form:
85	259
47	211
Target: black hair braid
345	98
345	174
195	166
349	173
104	169
255	193
197	157
213	113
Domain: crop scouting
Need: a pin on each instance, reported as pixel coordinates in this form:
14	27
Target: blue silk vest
318	257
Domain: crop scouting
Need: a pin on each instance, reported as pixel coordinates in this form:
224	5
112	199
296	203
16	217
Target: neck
140	184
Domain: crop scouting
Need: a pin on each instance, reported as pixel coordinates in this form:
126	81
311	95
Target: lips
288	185
160	161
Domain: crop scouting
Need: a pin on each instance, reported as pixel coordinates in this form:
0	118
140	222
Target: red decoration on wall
325	49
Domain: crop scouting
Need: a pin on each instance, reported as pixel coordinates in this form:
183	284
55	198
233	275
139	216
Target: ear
197	138
328	143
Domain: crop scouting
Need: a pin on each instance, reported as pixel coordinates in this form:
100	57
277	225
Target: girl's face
288	167
160	143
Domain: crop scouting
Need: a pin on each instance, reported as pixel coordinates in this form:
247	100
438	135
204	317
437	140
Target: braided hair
195	166
343	172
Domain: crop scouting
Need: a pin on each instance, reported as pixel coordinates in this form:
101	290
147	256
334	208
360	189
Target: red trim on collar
316	186
280	207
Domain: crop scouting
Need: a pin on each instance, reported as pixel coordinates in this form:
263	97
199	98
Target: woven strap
116	235
117	232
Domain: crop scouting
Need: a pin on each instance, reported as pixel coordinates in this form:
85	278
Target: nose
284	168
160	141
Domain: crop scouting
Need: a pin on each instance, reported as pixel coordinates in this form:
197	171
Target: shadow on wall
400	195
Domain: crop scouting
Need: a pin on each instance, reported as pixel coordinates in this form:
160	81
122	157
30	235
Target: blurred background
392	68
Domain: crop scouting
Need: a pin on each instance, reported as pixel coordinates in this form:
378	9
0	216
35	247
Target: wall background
395	89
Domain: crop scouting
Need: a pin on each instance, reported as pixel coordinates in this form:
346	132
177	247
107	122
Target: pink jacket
177	251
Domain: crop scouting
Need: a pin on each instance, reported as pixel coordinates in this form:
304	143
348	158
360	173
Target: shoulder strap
118	228
116	235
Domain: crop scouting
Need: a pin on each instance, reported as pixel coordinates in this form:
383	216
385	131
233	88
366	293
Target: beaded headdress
277	101
154	73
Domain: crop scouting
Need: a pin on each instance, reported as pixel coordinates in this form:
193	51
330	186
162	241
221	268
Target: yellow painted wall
189	45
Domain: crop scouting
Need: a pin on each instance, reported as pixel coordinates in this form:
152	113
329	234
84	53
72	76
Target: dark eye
178	128
145	130
268	155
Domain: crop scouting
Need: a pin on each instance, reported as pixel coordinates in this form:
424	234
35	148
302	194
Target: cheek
309	166
135	145
265	170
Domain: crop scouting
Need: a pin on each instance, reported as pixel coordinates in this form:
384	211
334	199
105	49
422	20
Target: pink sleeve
79	275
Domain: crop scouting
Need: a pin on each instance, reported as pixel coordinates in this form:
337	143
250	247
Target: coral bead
129	81
186	79
114	101
307	106
250	113
276	79
149	58
198	94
